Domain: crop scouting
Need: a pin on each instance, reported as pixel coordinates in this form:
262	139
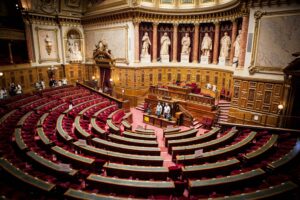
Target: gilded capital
136	22
258	14
216	23
196	24
155	23
234	20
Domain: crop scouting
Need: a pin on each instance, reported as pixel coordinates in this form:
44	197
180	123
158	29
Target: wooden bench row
189	149
119	157
226	151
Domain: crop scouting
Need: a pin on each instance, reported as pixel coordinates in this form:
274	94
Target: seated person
183	84
214	88
148	110
208	86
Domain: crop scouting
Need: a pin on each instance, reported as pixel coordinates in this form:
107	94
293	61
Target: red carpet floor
137	117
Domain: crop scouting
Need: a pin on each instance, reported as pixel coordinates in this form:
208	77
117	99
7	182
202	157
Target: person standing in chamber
167	111
158	109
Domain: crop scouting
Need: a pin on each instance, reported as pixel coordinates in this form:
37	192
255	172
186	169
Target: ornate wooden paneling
124	78
255	102
27	75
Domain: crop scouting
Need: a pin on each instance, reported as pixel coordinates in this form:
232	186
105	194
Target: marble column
233	37
244	33
11	60
196	43
216	43
154	42
175	42
136	41
28	35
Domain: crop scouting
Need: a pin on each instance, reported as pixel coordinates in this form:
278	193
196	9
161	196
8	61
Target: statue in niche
73	48
237	44
165	42
146	44
186	42
225	45
206	45
48	43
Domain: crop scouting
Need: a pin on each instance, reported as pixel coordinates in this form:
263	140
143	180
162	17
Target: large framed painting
276	38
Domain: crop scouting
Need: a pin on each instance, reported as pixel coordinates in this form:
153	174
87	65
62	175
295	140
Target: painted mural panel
278	38
115	38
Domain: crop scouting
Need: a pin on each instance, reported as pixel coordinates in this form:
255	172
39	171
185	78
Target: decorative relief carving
258	14
73	3
47	44
49	6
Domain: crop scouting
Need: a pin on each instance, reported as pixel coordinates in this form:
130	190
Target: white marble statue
225	45
186	43
146	44
206	45
237	44
165	42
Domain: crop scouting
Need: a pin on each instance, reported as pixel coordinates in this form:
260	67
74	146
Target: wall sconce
111	82
51	71
280	107
93	77
123	91
1	74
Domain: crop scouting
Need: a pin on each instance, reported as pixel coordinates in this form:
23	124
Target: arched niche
74	46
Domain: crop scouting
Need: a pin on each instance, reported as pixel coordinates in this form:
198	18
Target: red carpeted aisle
137	117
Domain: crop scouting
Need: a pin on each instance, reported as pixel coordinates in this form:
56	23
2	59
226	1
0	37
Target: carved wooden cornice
138	15
34	18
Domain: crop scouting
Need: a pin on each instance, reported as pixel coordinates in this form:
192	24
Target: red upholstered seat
117	118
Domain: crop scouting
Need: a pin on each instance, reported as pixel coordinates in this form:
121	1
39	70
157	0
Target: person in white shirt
42	83
19	89
167	111
64	81
2	93
158	109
